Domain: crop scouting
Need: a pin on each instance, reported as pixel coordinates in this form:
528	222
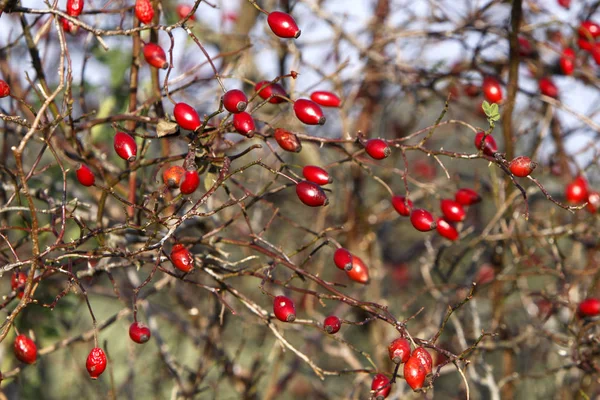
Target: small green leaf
494	109
486	107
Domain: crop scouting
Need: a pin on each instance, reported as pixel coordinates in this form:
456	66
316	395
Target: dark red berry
18	281
467	197
377	149
266	89
381	386
445	229
155	56
316	174
422	220
85	176
325	99
190	182
287	140
309	112
567	61
172	176
311	194
4	89
283	25
577	191
186	116
144	11
139	333
564	3
342	259
25	349
490	147
589	307
183	10
96	362
492	91
548	88
399	350
244	124
401	205
74	7
359	271
284	309
125	146
525	49
452	210
522	166
332	324
414	373
235	101
182	258
593	202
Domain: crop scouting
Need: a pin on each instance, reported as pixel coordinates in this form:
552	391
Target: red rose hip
182	258
183	10
489	147
332	324
235	101
399	350
589	307
467	197
567	61
85	176
377	149
342	259
359	271
172	176
144	11
96	362
266	89
25	349
414	373
244	124
492	91
316	174
311	194
452	210
424	358
287	140
309	112
283	25
325	99
402	205
381	386
4	89
18	281
155	56
284	309
125	146
139	332
191	181
548	88
577	191
446	229
522	166
422	220
74	7
593	202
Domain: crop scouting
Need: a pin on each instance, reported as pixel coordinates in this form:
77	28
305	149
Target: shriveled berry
422	220
593	202
522	166
244	124
287	140
190	182
284	309
266	89
467	197
182	258
399	350
139	332
311	194
172	176
402	205
567	61
25	349
446	229
125	146
85	176
589	307
186	116
332	324
490	147
342	259
325	99
452	210
377	149
424	357
309	112
74	7
18	281
492	91
381	387
235	101
183	10
414	373
155	56
144	11
359	271
577	191
4	89
316	174
283	25
548	88
96	362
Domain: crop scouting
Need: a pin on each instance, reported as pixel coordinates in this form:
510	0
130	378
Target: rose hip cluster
578	192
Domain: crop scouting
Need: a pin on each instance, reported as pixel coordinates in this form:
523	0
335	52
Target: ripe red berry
564	3
445	229
399	350
183	10
342	259
325	99
172	176
595	51
593	202
186	116
422	220
287	140
452	210
144	11
522	166
139	333
548	88
69	27
4	89
586	44
332	324
25	349
182	258
284	309
490	147
155	56
96	362
424	357
377	149
190	182
244	124
311	194
401	206
381	386
525	49
467	197
567	61
125	146
85	176
18	281
283	25
589	307
309	112
74	7
414	373
316	174
588	29
577	191
359	271
235	101
267	89
492	91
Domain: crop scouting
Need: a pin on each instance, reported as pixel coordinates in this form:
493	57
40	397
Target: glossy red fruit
283	25
548	88
309	112
69	27
467	197
325	99
244	124
155	56
564	3
284	309
424	358
74	7
577	191
183	10
316	174
359	271
414	373
490	147
139	332
399	350
96	362
4	89
182	258
589	307
402	206
522	166
593	202
492	91
381	386
172	176
595	52
342	259
525	49
311	194
144	11
190	182
266	89
452	210
377	149
186	116
125	146
85	176
332	324
588	29
287	140
235	101
567	61
25	349
446	229
18	280
586	44
422	220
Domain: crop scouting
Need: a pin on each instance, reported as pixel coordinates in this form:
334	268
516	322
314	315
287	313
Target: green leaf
486	107
494	109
